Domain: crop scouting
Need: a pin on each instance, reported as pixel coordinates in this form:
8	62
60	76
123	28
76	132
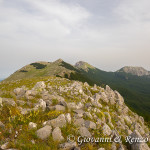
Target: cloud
49	19
107	34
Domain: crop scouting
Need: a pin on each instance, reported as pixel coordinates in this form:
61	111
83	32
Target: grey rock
9	101
138	145
79	122
30	94
87	105
86	84
40	85
121	147
20	102
106	130
1	101
19	92
1	125
88	114
48	102
79	112
104	97
32	125
41	104
4	146
113	146
44	132
56	134
127	119
96	97
59	108
68	118
25	111
60	121
68	145
90	124
119	98
83	131
50	108
71	106
63	103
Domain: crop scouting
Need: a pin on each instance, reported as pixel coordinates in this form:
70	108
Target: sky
107	34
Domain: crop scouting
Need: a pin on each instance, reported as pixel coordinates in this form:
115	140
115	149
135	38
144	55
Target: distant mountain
84	65
139	71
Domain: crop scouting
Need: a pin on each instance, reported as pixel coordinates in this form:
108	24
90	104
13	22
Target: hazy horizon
107	34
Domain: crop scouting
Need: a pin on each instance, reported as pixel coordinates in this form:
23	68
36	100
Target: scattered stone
59	108
68	118
56	134
83	131
68	145
4	146
79	122
137	145
40	85
79	112
20	102
106	130
9	101
90	124
41	104
32	125
113	146
1	104
60	121
2	125
20	92
44	132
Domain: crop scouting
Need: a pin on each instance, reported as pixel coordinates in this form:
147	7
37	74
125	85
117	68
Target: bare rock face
137	145
139	71
44	132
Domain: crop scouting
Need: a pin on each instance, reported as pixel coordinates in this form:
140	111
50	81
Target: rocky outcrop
74	109
44	132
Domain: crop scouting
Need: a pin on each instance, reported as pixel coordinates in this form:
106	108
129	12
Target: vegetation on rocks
41	112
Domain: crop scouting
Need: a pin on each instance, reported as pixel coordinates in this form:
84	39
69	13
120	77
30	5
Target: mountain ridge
135	89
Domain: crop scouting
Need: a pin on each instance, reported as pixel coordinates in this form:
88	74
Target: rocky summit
138	71
50	113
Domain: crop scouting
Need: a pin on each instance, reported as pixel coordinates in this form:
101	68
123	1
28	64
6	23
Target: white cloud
49	29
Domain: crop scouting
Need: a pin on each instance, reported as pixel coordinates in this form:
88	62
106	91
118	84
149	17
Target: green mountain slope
135	89
58	68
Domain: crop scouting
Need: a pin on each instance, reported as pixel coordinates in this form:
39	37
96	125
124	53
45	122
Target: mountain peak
84	65
59	61
139	71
